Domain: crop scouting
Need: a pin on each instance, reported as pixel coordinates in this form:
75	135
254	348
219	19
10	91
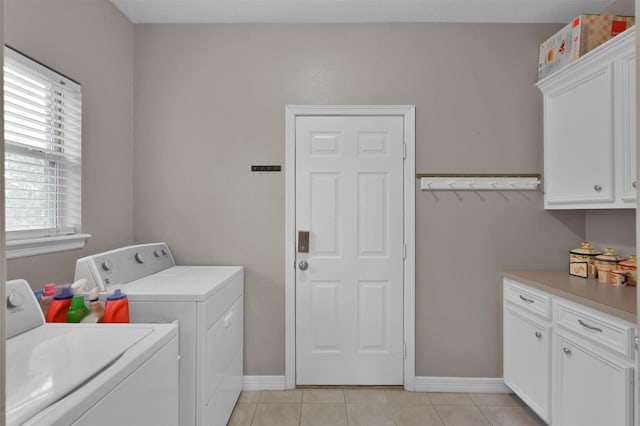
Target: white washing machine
208	303
87	374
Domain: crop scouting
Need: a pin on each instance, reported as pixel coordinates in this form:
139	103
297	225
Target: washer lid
48	363
181	283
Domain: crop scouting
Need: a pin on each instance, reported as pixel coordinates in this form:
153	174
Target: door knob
303	265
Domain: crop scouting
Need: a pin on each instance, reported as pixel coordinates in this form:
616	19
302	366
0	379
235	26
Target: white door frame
408	113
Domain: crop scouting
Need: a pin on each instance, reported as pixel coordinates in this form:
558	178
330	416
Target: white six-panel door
349	300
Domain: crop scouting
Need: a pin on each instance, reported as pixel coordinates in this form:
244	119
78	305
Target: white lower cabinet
527	363
572	365
591	387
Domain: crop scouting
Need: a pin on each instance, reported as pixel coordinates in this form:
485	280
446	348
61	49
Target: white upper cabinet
626	121
589	129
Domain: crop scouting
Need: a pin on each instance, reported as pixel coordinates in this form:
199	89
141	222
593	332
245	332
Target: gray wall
612	228
93	45
621	7
209	102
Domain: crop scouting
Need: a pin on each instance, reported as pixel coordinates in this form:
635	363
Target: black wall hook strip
255	168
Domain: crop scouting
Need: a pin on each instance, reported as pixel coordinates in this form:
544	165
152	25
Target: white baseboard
255	383
422	384
461	384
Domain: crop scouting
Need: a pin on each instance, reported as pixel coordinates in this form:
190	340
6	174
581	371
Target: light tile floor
379	407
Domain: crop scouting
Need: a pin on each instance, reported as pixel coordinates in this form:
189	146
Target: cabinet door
579	138
625	108
590	387
527	354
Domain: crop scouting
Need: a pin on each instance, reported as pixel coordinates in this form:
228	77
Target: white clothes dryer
87	374
208	303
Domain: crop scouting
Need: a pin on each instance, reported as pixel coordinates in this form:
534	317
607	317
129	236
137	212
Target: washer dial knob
157	253
107	265
138	257
15	300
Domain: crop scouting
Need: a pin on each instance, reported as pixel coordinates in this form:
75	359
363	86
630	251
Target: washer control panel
123	265
23	310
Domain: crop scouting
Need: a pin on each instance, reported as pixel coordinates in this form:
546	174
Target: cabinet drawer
611	333
527	298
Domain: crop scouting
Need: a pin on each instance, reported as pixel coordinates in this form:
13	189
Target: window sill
35	246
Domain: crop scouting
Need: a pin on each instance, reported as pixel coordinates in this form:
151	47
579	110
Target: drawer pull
538	334
589	327
524	299
566	351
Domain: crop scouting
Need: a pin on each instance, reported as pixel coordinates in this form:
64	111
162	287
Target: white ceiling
183	11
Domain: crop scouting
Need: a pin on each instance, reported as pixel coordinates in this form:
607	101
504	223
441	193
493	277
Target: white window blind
43	134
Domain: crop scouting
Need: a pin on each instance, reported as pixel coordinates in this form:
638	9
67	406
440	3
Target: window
43	134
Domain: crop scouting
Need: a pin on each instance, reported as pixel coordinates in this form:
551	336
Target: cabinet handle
524	299
538	334
597	188
589	327
567	351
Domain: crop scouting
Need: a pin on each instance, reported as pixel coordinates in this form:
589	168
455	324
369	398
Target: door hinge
404	150
404	251
404	350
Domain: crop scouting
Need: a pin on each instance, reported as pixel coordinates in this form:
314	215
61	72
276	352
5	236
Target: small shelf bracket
479	182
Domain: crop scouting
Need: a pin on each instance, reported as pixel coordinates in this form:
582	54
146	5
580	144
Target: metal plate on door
303	241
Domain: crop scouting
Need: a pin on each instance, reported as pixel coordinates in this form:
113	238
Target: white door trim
406	111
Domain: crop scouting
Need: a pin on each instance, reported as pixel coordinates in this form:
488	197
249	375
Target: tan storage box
581	35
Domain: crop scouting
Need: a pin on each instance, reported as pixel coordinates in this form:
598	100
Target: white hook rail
479	182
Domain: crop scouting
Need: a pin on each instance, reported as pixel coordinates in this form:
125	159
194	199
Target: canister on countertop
605	263
581	261
618	277
629	265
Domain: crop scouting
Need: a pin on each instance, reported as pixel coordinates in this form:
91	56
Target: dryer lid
49	362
